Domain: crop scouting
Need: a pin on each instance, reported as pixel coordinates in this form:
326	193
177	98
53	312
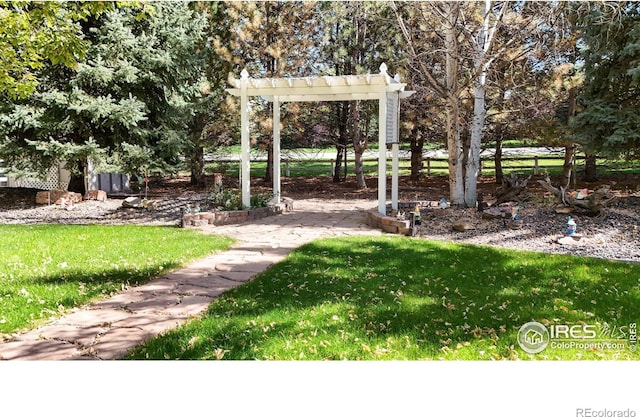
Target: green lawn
47	269
398	298
436	167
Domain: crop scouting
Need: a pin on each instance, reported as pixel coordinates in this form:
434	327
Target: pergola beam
324	97
323	93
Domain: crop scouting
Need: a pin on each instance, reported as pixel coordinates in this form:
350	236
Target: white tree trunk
479	113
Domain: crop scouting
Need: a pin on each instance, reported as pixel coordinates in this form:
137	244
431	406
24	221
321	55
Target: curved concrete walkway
109	329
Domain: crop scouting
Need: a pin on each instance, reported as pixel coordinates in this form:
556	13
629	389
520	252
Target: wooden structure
387	90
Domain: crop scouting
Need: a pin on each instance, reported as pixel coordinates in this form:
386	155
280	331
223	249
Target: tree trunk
359	146
338	166
77	183
590	168
454	143
569	150
268	175
472	165
497	160
197	166
567	167
342	114
417	144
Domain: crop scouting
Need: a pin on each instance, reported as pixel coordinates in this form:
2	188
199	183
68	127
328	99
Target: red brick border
388	223
232	217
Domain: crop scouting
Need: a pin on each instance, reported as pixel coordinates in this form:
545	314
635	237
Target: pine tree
609	122
132	98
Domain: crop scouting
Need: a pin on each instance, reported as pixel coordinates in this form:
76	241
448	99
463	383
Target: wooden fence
430	165
507	162
120	183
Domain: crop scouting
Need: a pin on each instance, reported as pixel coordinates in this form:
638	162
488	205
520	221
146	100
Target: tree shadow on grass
53	295
362	298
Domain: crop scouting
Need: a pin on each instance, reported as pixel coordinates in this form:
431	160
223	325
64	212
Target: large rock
57	197
139	203
462	225
132	202
99	195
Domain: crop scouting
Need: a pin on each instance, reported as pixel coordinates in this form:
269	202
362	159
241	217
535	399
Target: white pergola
387	90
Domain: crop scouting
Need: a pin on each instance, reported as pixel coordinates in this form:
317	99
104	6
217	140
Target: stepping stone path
109	329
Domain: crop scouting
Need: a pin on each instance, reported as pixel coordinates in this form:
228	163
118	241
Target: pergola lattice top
323	88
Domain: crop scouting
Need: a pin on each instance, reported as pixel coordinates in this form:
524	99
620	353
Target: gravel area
613	236
96	212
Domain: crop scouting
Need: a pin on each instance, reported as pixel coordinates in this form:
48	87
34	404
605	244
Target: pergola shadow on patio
387	90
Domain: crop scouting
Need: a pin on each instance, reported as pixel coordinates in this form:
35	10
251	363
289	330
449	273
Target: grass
553	166
48	269
397	298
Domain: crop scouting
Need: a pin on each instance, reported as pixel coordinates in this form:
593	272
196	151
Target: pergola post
395	150
245	168
382	147
276	150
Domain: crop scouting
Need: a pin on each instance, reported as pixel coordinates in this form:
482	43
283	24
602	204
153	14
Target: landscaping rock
492	213
580	240
562	209
98	195
132	202
52	197
571	240
150	204
462	225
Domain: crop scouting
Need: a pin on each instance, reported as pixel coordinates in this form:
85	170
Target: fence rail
429	164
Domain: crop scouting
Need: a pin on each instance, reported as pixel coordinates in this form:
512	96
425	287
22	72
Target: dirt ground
427	188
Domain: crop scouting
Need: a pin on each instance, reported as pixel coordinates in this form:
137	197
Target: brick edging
388	223
232	217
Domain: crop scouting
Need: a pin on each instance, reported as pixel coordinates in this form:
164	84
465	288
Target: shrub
231	200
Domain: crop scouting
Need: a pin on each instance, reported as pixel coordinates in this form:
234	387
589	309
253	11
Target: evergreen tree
131	99
269	39
358	38
608	123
